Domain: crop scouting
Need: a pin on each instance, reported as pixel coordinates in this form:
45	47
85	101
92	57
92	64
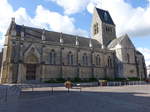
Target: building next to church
37	54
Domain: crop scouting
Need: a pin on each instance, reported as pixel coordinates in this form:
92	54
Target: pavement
91	99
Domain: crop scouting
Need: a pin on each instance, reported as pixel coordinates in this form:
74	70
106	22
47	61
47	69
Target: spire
61	38
90	43
13	27
77	41
43	35
103	46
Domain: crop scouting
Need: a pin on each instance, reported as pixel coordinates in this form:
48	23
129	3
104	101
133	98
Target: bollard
52	90
68	90
32	88
80	89
6	94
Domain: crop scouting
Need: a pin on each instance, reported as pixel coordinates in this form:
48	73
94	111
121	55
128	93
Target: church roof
138	52
124	41
52	36
105	16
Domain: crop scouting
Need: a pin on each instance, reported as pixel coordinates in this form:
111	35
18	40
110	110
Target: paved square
91	99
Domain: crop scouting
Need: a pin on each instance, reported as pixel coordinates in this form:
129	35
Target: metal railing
51	89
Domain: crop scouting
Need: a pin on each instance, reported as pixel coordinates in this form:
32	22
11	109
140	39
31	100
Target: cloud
44	18
134	21
72	6
56	22
146	53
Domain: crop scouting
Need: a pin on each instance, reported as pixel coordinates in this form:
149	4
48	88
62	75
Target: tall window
98	60
70	58
95	28
128	58
110	63
85	59
108	29
52	57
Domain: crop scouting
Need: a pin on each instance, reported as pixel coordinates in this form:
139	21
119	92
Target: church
33	54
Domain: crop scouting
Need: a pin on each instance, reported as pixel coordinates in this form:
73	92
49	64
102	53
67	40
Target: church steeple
103	27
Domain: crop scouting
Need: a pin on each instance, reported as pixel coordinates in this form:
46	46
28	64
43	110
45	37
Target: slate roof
138	52
51	36
124	41
105	16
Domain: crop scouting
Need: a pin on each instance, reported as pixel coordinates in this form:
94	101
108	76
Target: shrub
133	79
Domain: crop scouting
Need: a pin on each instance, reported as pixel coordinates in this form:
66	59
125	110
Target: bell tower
103	28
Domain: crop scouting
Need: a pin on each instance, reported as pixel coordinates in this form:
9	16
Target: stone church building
37	54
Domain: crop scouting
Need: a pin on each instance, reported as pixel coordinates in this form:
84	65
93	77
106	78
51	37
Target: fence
123	83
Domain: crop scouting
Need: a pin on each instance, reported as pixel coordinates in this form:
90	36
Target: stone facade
40	55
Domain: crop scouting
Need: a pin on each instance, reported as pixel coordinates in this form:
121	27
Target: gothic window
110	63
128	58
52	57
70	58
85	59
98	60
108	29
95	28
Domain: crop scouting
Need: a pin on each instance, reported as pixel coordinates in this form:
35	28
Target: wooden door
31	72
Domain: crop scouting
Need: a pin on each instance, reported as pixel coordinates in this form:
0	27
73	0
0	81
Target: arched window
110	63
98	60
85	59
52	57
70	58
128	58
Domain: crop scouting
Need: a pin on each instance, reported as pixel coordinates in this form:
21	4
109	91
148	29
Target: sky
131	17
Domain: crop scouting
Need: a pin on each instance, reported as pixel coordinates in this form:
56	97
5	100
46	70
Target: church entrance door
31	72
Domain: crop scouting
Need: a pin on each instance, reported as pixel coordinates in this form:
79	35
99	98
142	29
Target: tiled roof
138	52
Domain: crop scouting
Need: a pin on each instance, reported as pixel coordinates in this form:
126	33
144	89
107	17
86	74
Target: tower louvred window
95	28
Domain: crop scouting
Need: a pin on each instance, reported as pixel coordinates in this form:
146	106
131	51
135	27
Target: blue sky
130	16
82	19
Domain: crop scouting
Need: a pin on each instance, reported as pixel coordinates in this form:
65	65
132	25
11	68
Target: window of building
108	29
96	28
52	57
70	58
98	60
128	58
85	59
110	62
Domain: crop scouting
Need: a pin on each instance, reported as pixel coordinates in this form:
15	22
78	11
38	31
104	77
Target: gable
31	55
123	41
